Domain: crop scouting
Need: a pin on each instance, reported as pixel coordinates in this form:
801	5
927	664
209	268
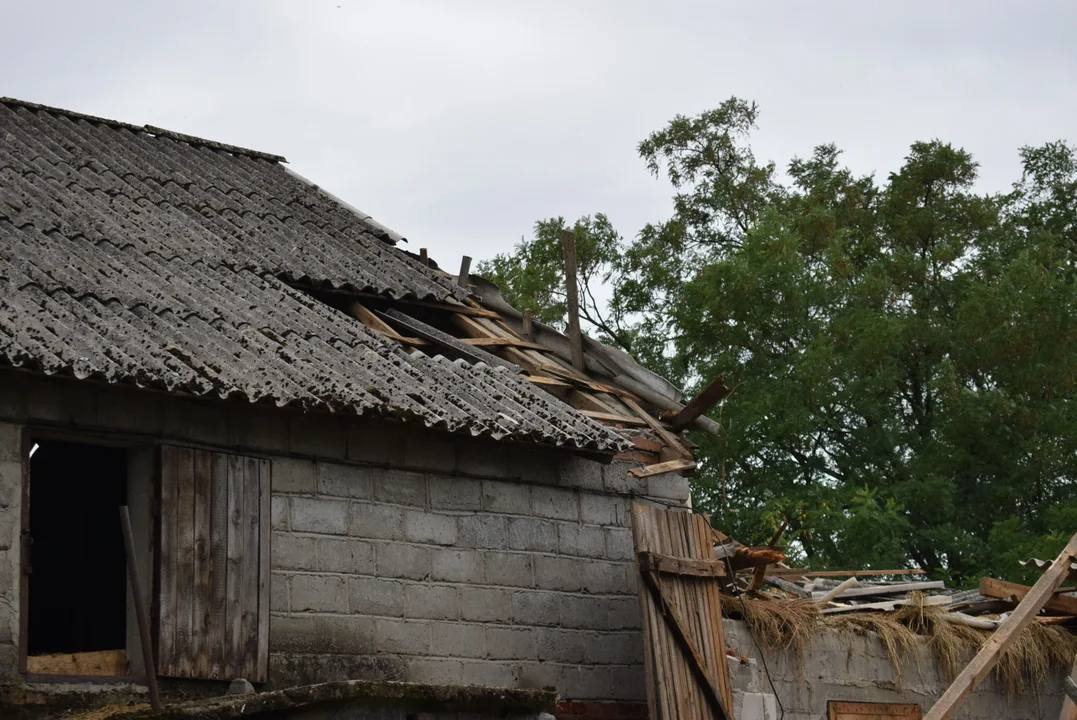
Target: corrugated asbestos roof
160	260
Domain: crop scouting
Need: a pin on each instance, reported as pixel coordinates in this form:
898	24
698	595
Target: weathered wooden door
213	565
683	641
872	711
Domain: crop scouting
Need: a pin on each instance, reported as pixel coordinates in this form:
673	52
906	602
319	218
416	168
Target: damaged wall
856	668
396	553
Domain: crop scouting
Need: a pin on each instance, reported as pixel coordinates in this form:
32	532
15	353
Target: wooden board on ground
683	642
871	711
101	663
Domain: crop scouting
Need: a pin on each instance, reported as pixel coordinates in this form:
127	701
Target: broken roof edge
152	130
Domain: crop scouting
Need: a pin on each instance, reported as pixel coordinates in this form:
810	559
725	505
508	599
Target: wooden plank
261	672
361	313
251	562
504	342
572	298
887	605
611	417
808	572
701	403
834	592
465	271
1005	636
218	565
103	663
669	438
202	594
528	325
166	563
185	565
236	554
871	711
665	467
672	565
992	588
889	589
655	668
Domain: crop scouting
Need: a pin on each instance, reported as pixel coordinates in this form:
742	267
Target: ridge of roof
145	129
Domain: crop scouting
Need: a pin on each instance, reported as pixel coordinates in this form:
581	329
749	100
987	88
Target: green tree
904	352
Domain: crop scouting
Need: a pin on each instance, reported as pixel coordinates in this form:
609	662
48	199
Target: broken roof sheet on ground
154	259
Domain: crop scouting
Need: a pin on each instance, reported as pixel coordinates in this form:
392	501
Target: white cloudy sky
459	124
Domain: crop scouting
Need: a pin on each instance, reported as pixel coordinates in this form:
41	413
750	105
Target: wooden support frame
1005	636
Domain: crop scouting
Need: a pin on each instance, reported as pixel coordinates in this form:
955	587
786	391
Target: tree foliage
904	352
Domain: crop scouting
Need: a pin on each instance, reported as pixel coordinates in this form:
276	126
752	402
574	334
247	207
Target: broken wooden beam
667	437
423	257
528	326
503	342
656	562
572	288
1002	590
1007	633
891	589
838	590
887	605
680	465
700	404
808	572
465	271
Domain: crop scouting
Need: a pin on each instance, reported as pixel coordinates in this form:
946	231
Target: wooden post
529	329
140	609
1005	636
465	270
568	243
423	258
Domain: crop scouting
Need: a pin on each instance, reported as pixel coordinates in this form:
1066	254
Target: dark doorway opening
77	584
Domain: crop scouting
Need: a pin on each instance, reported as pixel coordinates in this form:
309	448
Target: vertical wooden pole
140	609
423	258
568	242
465	271
529	329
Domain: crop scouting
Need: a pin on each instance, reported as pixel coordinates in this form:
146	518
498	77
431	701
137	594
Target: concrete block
465	640
13	390
402	561
10	483
319	515
564	646
380	522
318	436
598	509
282	511
407	637
624	613
535	608
292	475
559	573
255	429
435	602
581	540
556	503
758	706
509	569
375	596
484	604
532	534
352	557
506	497
346	481
510	643
669	486
584	683
625	648
194	420
484	458
292	552
278	593
630	684
581	473
424	527
608	578
10	442
318	593
455	493
482	531
9	663
400	487
428	451
538	675
532	465
584	611
293	670
63	402
616	479
10	527
435	671
377	442
488	674
619	544
463	566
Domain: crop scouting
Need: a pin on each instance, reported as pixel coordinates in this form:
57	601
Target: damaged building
341	464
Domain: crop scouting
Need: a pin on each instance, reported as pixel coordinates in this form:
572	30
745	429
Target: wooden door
872	711
213	565
683	641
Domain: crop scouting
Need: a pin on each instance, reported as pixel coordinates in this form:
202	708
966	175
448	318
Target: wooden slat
808	572
890	589
102	663
612	418
665	467
200	648
236	556
1005	636
871	711
992	588
672	565
701	403
166	570
251	564
185	566
669	438
215	628
261	672
504	342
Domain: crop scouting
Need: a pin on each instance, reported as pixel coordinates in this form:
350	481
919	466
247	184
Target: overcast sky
459	124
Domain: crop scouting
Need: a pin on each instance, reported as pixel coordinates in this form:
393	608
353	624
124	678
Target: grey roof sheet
163	261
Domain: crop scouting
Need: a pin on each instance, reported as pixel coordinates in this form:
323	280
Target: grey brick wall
396	551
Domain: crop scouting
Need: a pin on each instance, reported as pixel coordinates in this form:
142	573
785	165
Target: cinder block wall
856	668
396	552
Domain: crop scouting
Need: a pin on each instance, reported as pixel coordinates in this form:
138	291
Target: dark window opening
78	575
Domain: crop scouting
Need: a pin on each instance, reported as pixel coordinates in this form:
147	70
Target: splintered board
683	641
871	711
